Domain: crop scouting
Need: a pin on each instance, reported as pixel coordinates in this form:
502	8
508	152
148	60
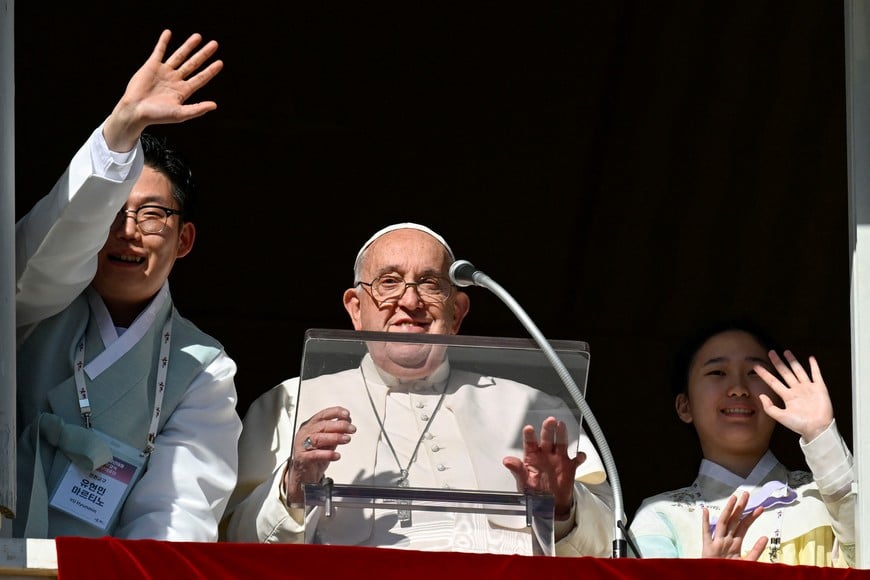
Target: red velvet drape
108	558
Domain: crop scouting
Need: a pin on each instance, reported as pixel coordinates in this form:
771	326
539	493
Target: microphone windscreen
462	273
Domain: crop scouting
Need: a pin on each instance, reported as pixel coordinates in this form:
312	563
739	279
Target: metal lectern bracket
537	509
528	511
327	485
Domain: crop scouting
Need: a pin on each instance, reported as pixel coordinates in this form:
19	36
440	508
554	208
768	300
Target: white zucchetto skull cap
400	226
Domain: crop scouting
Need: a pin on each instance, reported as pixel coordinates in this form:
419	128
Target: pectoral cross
404	506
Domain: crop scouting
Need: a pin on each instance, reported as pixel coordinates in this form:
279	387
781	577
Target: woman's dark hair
169	162
682	362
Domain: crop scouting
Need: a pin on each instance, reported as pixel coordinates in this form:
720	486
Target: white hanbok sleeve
832	466
57	241
192	472
652	532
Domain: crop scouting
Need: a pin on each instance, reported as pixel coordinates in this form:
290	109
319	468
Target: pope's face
410	255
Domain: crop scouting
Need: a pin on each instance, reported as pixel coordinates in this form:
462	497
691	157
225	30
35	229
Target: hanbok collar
771	494
117	346
718	473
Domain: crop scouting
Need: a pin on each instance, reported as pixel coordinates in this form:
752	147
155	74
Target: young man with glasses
401	285
127	421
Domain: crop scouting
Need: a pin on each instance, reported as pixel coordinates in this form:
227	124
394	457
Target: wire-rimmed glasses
389	288
149	218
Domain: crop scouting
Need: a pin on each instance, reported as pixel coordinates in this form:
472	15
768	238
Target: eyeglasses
389	289
151	219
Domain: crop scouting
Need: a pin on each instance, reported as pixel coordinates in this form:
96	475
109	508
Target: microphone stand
619	535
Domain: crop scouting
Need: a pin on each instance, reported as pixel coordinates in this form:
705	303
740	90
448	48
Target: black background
625	170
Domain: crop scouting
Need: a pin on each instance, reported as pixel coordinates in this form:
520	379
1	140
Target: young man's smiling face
132	266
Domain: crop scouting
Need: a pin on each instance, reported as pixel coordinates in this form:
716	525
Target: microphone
463	273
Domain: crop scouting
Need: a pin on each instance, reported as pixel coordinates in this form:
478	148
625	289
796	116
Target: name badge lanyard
162	368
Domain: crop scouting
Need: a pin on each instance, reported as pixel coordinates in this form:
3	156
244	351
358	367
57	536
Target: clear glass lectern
435	416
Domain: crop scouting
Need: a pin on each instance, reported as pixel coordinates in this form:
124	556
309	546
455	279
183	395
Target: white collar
117	346
373	371
716	472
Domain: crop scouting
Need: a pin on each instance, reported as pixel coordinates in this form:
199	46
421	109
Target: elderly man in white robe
404	417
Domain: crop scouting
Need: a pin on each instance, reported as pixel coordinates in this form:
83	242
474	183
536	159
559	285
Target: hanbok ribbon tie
83	447
772	494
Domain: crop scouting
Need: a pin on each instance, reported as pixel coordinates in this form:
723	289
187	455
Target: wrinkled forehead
406	251
400	227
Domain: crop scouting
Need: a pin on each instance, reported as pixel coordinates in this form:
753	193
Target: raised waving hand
807	408
158	92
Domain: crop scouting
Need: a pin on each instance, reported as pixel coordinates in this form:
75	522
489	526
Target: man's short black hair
166	160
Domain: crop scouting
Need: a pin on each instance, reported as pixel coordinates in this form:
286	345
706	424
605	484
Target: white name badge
96	497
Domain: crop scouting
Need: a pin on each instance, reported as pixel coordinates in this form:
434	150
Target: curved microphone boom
463	273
